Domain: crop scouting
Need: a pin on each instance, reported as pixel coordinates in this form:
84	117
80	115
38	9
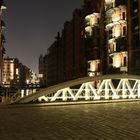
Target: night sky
32	26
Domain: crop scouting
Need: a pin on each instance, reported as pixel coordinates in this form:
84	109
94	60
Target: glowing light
119	13
106	97
27	81
109	1
139	90
88	29
112	46
116	30
43	98
106	90
116	17
91	21
124	96
120	60
27	92
117	60
17	71
97	97
115	97
40	75
22	93
94	65
3	7
132	96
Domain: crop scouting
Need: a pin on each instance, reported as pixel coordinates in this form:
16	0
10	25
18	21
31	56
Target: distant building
10	72
65	59
43	70
17	75
2	38
103	37
52	64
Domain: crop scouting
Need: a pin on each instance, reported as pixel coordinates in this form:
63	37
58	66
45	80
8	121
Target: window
124	61
123	16
135	41
136	59
134	7
110	31
110	61
112	47
98	20
124	31
98	68
110	34
135	24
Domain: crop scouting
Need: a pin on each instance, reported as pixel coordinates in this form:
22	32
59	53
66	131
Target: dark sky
32	26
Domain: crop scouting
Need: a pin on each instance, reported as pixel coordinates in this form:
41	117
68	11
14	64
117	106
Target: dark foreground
112	121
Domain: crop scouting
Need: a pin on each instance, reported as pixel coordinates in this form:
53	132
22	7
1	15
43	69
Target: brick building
2	38
116	49
65	59
103	37
15	74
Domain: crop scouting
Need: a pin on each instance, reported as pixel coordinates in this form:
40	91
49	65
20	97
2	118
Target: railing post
22	93
64	94
87	92
138	90
106	89
124	89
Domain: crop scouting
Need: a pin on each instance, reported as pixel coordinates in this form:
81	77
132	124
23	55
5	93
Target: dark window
98	69
120	2
110	31
123	14
110	34
88	65
124	31
98	20
124	61
135	41
110	60
134	7
136	59
135	24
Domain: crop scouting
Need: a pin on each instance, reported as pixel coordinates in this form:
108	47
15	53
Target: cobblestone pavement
108	121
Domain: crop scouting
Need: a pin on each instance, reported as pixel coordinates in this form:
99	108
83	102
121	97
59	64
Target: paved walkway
107	121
